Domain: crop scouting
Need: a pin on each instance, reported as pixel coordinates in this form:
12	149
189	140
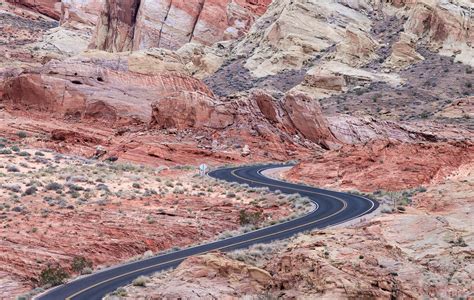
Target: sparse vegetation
80	263
54	186
140	281
53	276
22	134
248	217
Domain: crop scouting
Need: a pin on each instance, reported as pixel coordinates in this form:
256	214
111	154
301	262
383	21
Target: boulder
295	113
403	52
305	116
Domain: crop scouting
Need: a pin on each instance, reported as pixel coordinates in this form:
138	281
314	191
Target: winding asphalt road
331	208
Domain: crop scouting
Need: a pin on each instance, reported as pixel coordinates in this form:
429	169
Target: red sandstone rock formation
384	165
126	25
84	89
51	8
191	110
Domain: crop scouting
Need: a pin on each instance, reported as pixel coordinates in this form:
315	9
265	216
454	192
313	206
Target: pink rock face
126	25
306	117
83	90
296	113
386	165
191	110
82	11
51	8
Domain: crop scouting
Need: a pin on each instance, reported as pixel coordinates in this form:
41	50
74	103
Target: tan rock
357	49
202	60
461	108
77	13
444	26
403	52
209	275
289	34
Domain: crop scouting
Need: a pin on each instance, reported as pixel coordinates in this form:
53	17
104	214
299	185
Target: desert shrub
169	184
22	134
424	115
75	187
79	263
121	292
13	169
13	187
230	195
15	148
30	191
54	186
421	189
39	153
150	219
246	218
140	281
5	151
136	185
23	153
53	276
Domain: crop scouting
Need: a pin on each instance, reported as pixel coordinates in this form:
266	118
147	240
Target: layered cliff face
50	8
170	24
91	86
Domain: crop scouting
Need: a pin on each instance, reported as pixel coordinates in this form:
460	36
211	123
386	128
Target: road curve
331	208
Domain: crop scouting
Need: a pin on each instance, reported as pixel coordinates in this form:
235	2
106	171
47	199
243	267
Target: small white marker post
202	169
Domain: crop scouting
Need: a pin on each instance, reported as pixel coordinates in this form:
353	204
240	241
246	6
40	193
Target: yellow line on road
227	246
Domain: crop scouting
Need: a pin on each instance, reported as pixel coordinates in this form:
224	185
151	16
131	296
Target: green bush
79	263
247	218
53	276
30	191
54	186
22	134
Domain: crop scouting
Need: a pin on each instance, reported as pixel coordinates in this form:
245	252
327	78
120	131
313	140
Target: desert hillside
107	107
